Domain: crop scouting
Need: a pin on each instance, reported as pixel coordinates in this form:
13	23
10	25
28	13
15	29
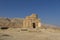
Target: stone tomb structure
32	21
28	22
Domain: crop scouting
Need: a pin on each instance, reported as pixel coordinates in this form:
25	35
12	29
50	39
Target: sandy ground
14	34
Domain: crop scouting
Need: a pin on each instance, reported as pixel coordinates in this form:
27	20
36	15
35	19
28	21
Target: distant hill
10	22
50	26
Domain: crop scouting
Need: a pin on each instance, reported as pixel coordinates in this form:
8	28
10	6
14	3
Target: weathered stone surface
11	22
31	21
27	22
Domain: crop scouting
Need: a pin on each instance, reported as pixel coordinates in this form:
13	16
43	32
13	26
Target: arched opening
34	25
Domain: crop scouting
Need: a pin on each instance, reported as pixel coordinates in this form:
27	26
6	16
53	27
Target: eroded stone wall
29	20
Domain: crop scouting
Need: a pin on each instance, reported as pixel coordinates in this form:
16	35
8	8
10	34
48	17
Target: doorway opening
34	25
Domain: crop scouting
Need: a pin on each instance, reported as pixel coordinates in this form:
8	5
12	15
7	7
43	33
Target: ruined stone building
32	21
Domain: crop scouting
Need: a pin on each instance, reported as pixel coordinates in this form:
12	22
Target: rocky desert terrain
16	34
46	32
